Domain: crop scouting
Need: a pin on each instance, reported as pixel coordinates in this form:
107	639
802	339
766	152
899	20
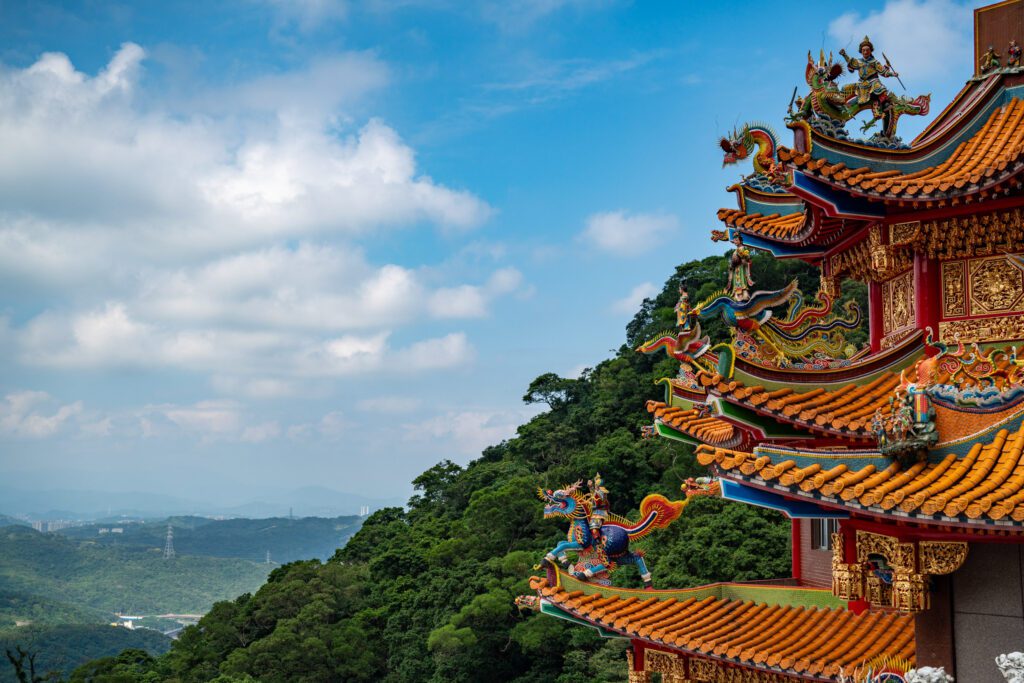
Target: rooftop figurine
1013	52
827	107
599	539
989	61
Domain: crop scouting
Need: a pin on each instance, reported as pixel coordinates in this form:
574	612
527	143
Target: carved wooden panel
898	303
954	289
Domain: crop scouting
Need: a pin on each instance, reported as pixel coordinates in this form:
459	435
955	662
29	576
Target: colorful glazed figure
596	559
989	61
1013	55
683	309
869	72
740	280
878	429
599	506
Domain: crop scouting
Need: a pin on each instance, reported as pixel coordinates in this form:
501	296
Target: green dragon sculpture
829	107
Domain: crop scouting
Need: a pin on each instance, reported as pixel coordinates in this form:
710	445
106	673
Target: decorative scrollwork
942	557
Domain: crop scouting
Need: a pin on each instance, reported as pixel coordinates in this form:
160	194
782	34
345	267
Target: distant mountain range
310	501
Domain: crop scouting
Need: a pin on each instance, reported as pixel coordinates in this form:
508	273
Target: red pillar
875	315
795	540
927	293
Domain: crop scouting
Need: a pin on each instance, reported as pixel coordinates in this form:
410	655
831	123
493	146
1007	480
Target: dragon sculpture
600	553
805	333
759	140
828	107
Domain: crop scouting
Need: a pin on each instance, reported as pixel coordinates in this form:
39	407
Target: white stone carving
929	674
1011	666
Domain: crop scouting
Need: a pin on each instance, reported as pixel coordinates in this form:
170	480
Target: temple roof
986	485
775	225
845	411
982	163
787	630
707	429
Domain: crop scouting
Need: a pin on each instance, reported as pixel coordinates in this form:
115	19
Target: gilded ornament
671	667
635	676
941	557
997	286
901	234
898	303
981	330
954	301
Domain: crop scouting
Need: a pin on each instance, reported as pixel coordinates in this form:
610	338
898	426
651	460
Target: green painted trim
675	435
553	611
788	596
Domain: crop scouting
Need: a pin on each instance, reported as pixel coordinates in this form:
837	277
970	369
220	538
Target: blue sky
259	245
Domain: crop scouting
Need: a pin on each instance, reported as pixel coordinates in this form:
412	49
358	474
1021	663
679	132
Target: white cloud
261	432
469	432
92	175
630	303
31	414
449	351
624	234
902	27
390	405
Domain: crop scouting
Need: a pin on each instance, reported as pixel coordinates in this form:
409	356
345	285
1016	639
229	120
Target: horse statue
831	106
601	540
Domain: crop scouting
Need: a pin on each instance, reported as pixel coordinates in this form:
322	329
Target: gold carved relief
898	303
954	289
635	676
997	286
1006	328
909	592
671	667
941	557
904	233
976	235
707	671
847	578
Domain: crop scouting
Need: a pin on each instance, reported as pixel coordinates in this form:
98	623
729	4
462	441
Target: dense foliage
36	569
60	649
426	593
285	539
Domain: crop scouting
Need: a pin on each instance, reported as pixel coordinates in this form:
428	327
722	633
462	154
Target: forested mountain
36	569
426	593
61	649
285	539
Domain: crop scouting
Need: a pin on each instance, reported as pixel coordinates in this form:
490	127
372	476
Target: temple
900	461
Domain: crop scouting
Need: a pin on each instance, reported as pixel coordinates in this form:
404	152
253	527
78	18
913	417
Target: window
821	533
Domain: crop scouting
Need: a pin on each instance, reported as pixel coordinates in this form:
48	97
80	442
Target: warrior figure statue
599	503
682	309
868	86
740	280
989	61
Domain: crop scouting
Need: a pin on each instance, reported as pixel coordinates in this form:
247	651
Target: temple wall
815	565
987	610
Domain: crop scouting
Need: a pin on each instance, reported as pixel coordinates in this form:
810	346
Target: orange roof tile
846	411
990	156
796	640
707	429
773	225
987	484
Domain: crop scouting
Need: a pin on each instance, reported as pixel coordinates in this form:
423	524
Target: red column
795	540
875	315
926	293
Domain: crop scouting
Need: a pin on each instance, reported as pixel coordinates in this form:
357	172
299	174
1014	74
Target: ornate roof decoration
807	635
984	486
986	164
775	225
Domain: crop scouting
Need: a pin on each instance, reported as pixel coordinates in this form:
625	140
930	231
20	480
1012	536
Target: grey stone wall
988	610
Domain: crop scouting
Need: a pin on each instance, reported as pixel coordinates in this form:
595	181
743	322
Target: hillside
55	570
426	593
62	648
286	539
